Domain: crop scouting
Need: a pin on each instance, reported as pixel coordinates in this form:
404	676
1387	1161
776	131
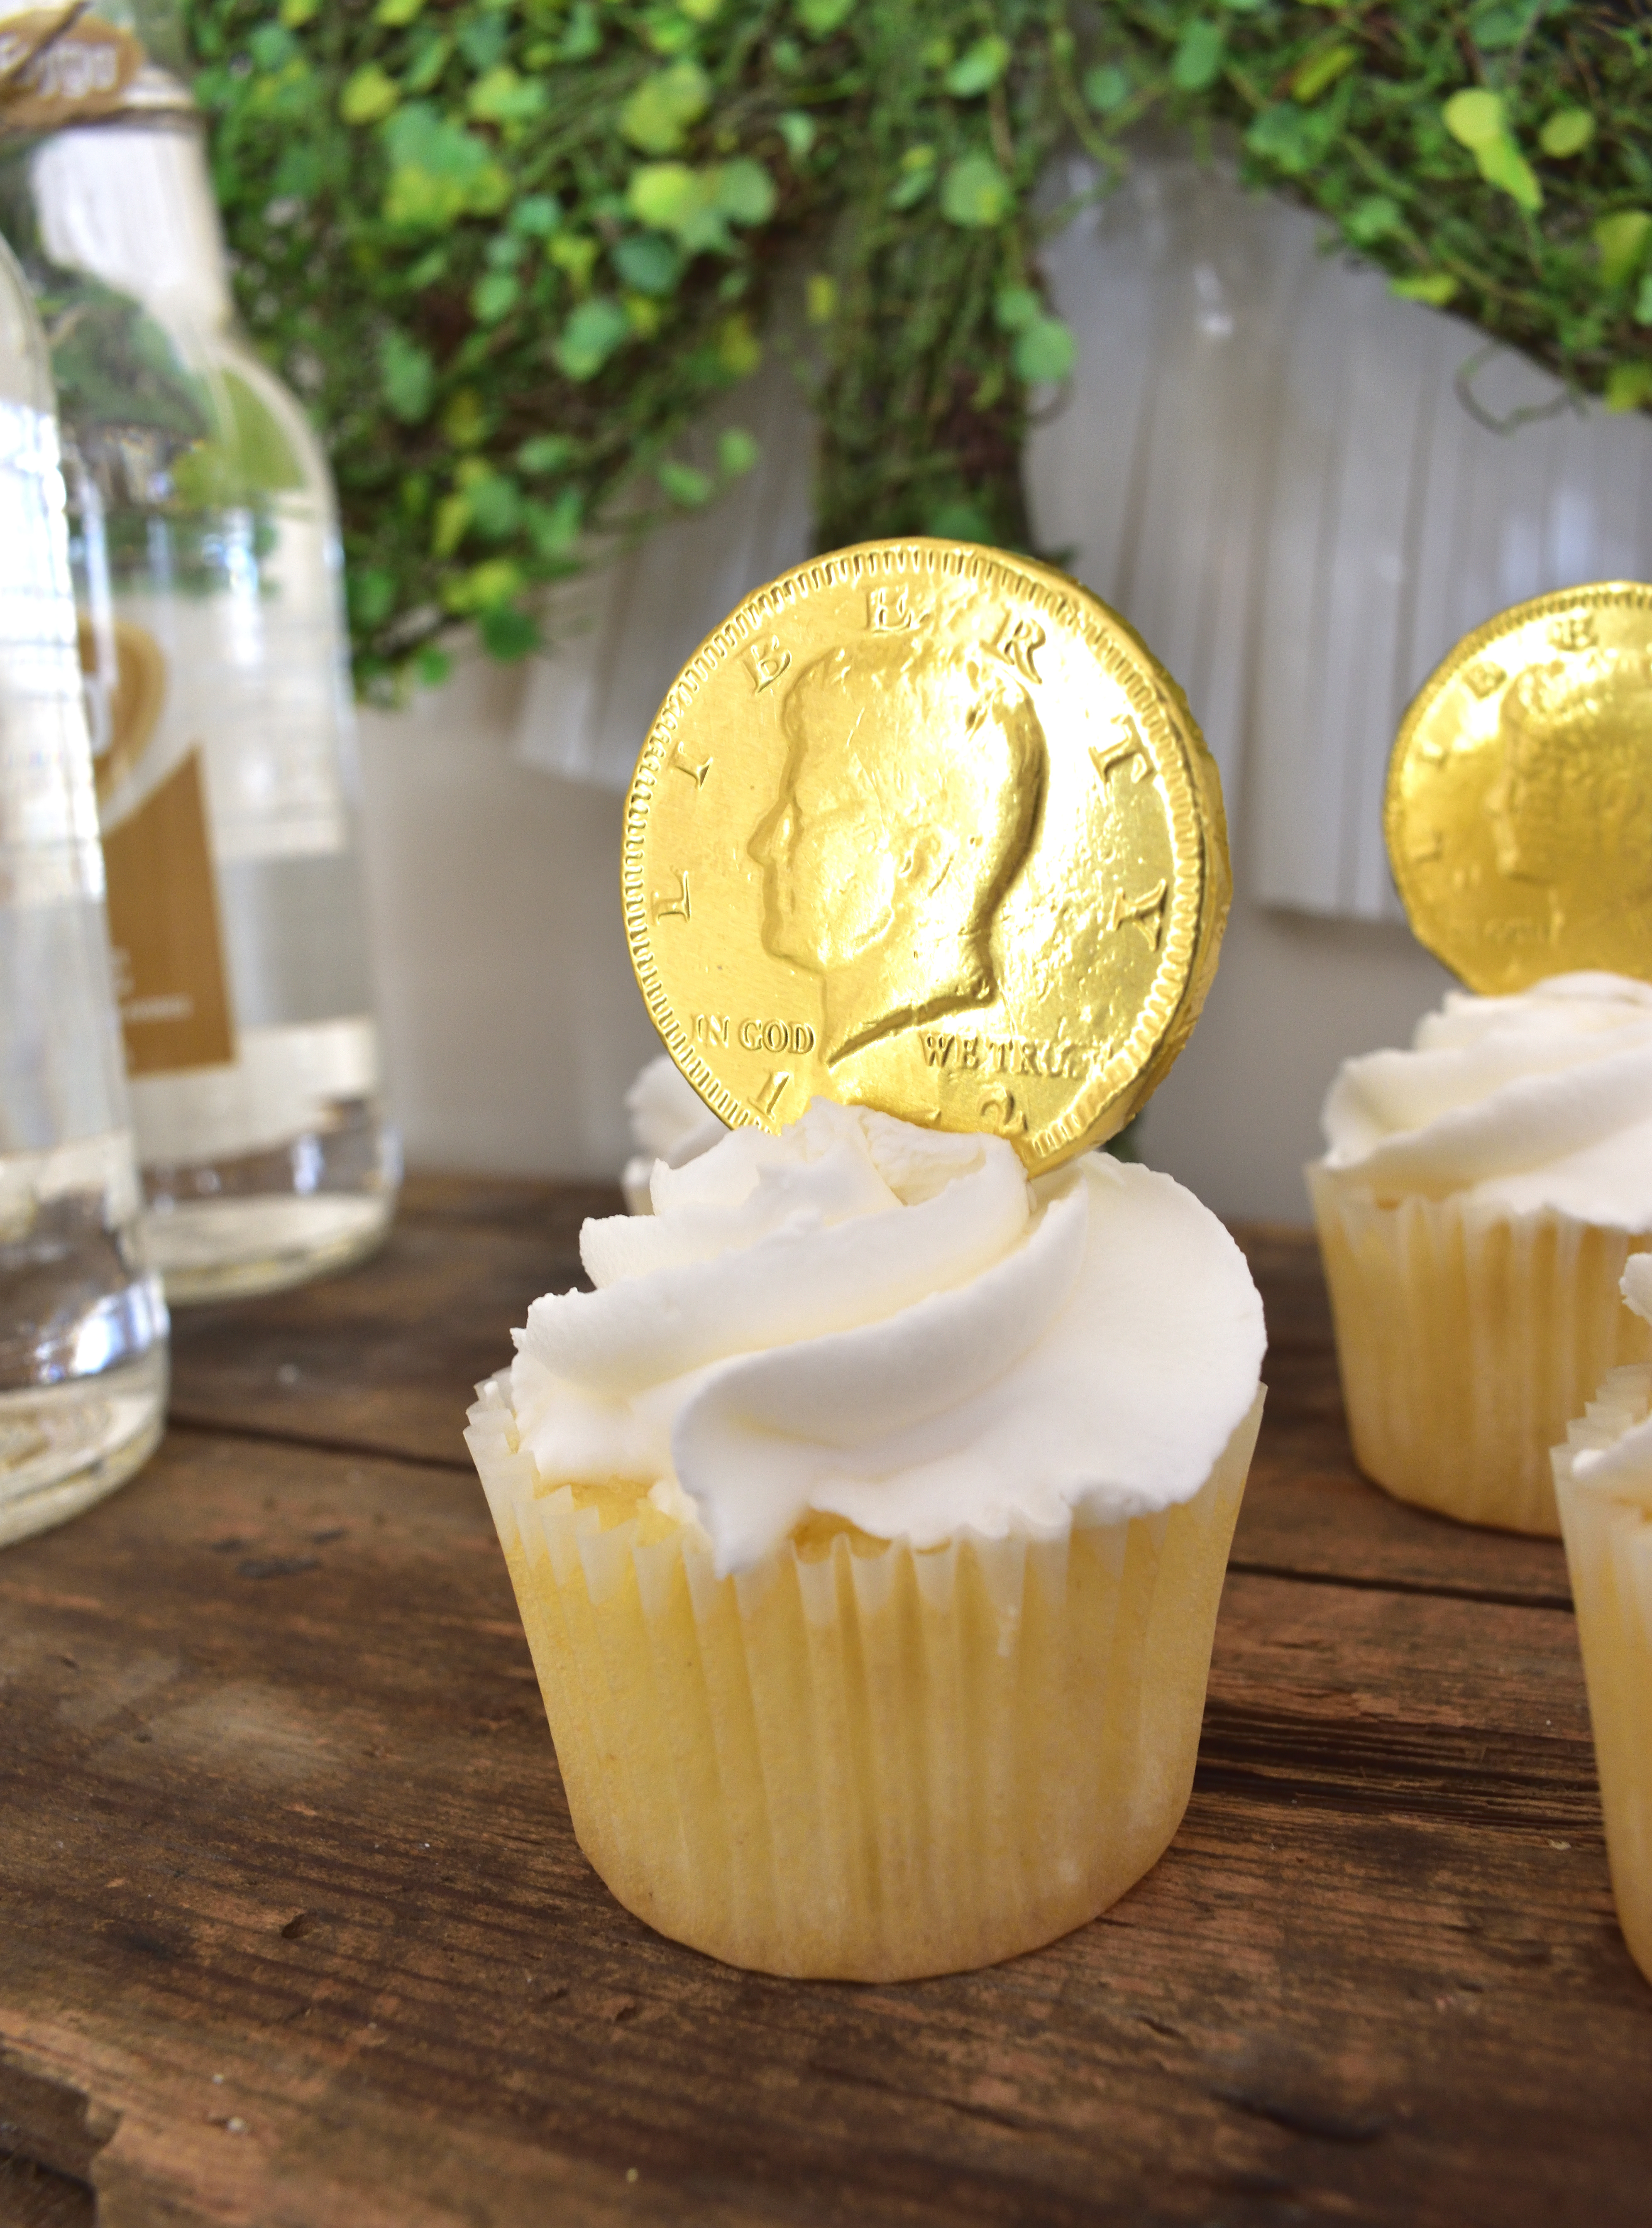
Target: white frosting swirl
669	1121
1541	1100
892	1325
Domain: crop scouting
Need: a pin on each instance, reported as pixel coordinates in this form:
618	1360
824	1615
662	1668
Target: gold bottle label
163	899
58	67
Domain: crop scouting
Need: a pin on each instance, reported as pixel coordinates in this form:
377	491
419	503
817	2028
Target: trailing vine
510	249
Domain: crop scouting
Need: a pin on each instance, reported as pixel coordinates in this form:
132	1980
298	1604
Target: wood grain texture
293	1928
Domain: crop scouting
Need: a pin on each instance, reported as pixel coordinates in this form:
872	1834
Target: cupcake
669	1121
1476	1205
868	1523
1603	1482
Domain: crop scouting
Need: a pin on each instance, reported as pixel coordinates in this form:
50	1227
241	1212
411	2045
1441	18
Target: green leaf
657	118
916	178
1044	351
482	37
553	527
975	193
799	132
1568	131
536	215
452	523
1622	240
500	96
1372	219
1497	28
397	13
648	262
689	488
494	295
978	68
465	420
1474	119
295	14
371	596
819	298
956	518
820	18
576	253
545	452
1106	88
1197	61
438	172
1015	308
431	666
746	192
582	36
1435	287
506	633
428	63
1629	384
701	11
1291	137
271	45
1643	302
367	96
737	452
1502	166
596	328
672	197
495	504
738	349
1316	73
407	376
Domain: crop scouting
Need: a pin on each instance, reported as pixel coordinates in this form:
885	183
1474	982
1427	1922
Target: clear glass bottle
209	572
83	1327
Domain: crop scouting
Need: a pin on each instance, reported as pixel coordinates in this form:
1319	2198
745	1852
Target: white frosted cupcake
1603	1482
1480	1196
868	1523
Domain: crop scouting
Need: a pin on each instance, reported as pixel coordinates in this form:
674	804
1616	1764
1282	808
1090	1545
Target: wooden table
293	1928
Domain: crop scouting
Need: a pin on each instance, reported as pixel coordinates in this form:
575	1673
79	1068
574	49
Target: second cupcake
1477	1201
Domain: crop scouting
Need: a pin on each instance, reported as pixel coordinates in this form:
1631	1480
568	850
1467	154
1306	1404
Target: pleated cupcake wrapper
866	1762
1467	1342
1608	1531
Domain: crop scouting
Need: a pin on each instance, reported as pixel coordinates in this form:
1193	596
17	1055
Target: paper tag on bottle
57	68
168	953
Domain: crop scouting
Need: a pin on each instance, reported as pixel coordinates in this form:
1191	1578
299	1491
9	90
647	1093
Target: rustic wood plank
278	1805
385	1358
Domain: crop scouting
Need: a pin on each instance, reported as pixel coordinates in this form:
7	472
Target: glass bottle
208	574
83	1327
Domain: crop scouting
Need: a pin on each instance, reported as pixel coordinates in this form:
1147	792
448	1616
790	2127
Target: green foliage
509	252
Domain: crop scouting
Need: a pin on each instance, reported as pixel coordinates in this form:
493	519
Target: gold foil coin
925	827
1519	807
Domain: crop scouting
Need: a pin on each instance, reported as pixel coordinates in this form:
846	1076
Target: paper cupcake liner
1608	1533
1467	1340
857	1761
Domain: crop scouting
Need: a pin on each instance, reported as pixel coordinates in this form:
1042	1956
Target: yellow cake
869	1525
1480	1195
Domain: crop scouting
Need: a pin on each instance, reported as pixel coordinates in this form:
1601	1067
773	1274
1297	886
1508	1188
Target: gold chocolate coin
926	828
1519	808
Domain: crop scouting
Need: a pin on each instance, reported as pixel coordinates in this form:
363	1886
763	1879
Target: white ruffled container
1602	1482
855	1760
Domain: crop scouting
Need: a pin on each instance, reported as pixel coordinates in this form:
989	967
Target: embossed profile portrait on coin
908	802
1570	804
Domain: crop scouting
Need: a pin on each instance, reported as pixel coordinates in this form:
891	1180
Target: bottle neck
131	204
